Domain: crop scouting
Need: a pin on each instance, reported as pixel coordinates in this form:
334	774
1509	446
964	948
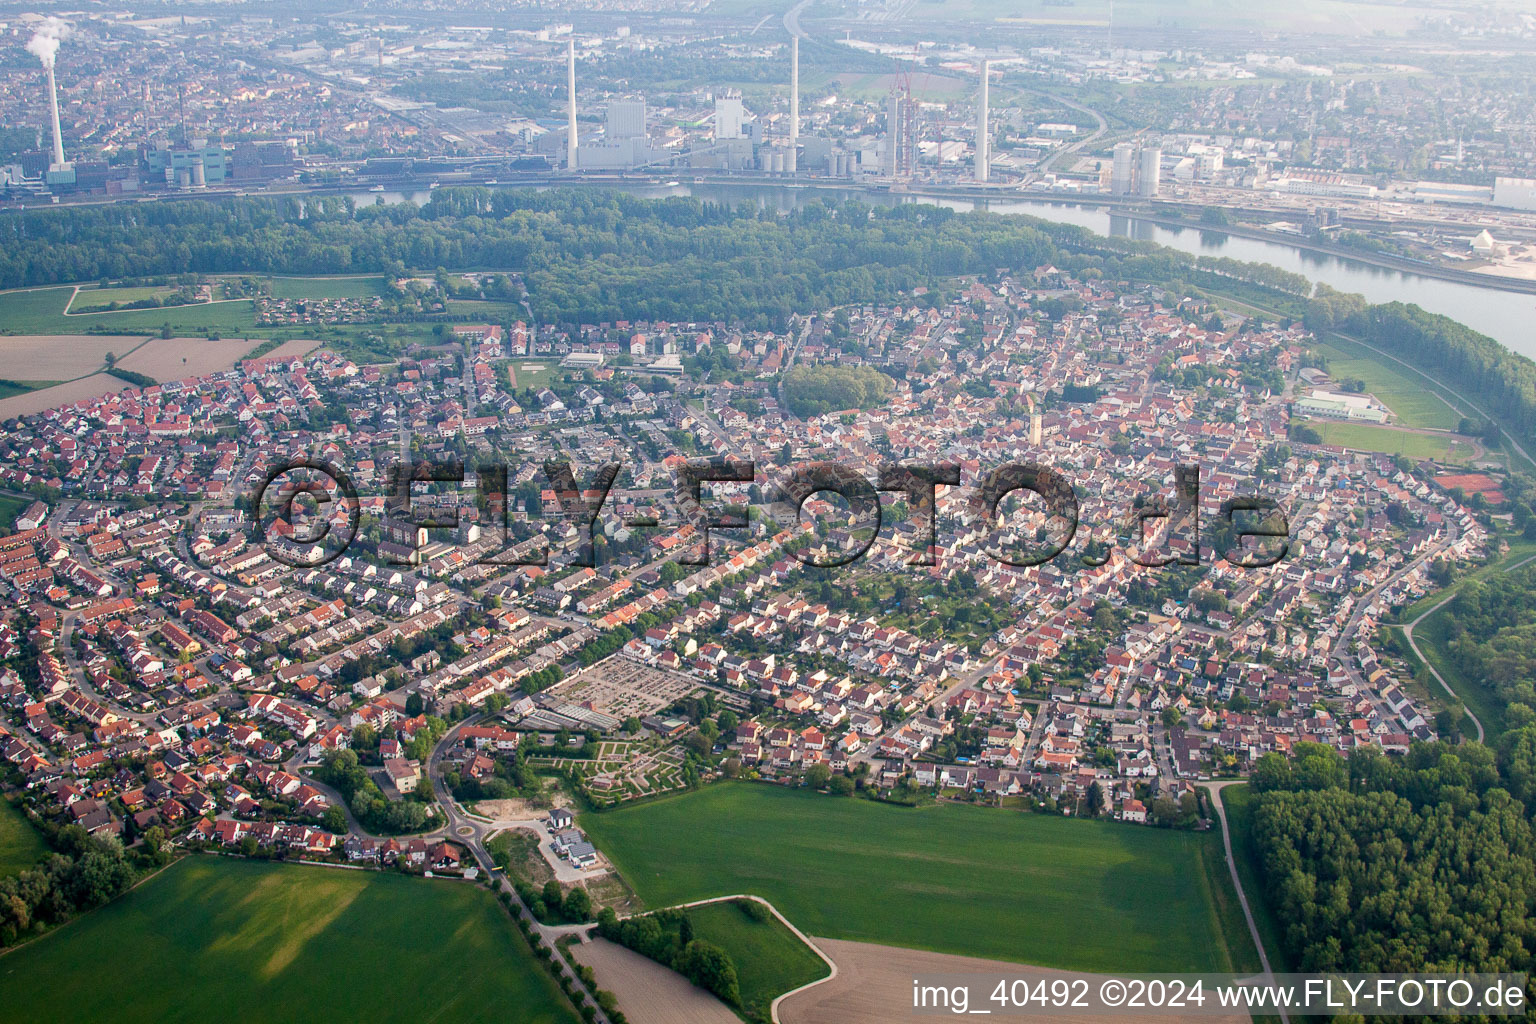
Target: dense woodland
1492	630
1390	864
590	256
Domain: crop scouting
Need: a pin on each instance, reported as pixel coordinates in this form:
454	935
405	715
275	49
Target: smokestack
44	45
58	134
794	104
570	85
983	146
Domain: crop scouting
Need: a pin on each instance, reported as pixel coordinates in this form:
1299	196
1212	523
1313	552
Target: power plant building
626	119
1150	173
730	115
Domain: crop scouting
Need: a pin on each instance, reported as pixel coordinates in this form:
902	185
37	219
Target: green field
532	378
1520	550
1238	802
90	299
1433	637
223	939
326	287
769	959
41	311
20	845
1415	405
953	878
1365	437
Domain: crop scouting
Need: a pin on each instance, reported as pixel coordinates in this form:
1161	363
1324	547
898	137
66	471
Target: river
1505	315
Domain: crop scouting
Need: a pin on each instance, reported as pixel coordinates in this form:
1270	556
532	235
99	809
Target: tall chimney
794	104
58	133
983	146
570	85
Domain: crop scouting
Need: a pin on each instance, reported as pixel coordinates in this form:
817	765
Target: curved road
1413	644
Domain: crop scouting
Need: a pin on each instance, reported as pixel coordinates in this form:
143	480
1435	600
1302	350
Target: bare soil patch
81	390
649	993
59	356
874	986
167	359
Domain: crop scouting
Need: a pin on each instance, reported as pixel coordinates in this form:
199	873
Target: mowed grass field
951	878
1365	437
20	844
223	939
769	959
1414	404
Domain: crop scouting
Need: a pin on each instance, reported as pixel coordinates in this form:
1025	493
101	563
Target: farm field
1365	437
41	311
1414	405
174	358
20	844
952	878
271	942
326	287
769	959
89	300
12	388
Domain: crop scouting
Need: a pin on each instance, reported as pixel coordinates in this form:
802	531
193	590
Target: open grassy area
1433	637
542	373
216	938
326	287
952	878
41	311
1415	405
1238	802
769	959
20	844
1520	551
89	299
1390	441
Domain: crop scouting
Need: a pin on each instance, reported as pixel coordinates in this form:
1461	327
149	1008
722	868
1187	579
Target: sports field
953	878
769	959
20	845
1388	441
222	939
1414	405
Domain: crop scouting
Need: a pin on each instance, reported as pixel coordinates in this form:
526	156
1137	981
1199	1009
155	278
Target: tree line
667	937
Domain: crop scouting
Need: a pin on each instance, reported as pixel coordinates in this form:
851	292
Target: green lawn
1415	405
952	878
216	938
1365	437
20	844
769	959
537	378
326	287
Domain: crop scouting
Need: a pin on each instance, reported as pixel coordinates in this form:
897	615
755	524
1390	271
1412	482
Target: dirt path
649	993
